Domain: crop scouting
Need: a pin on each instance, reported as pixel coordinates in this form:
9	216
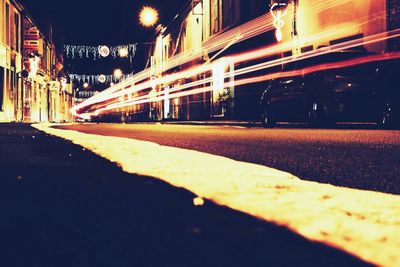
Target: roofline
24	11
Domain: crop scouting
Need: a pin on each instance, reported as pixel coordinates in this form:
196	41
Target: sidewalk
64	206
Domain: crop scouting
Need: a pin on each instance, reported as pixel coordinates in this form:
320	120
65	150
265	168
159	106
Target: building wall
315	25
46	98
341	19
10	61
27	99
394	23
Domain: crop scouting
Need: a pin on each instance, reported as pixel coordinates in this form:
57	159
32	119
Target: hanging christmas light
104	51
98	52
102	78
93	79
123	52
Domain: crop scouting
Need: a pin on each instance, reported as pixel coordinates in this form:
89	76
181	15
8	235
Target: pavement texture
61	205
359	158
364	223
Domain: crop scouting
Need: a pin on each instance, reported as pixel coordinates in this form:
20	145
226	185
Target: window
228	13
17	35
7	18
215	27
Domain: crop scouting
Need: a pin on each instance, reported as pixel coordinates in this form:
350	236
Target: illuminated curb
363	223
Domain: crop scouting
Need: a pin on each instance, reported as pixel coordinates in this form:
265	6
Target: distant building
45	95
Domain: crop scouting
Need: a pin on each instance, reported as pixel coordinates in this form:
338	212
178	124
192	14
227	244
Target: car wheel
267	120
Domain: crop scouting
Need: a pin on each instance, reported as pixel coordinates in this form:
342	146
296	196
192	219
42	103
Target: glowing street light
123	52
117	74
148	16
85	85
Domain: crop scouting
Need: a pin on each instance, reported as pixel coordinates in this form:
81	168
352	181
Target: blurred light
102	78
198	201
117	74
33	65
85	85
123	52
63	83
148	16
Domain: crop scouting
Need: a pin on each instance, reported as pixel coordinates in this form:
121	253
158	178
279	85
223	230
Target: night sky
93	22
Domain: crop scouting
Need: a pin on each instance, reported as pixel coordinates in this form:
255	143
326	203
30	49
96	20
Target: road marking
363	223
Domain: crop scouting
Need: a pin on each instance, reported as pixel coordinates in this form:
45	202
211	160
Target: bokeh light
148	16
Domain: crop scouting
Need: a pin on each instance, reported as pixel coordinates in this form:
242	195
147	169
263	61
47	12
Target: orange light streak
338	47
119	89
261	78
245	31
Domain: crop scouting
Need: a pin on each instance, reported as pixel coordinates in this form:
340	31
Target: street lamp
148	16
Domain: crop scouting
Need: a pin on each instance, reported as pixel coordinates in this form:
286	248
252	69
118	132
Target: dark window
228	13
306	48
17	33
7	17
349	38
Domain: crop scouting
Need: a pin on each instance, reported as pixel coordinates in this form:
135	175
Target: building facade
216	34
32	86
10	61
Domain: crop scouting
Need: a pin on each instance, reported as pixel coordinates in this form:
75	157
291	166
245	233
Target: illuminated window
215	25
7	18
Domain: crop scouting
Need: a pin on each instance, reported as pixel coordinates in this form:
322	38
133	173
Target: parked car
366	92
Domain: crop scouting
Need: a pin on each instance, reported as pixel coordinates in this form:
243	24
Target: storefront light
33	65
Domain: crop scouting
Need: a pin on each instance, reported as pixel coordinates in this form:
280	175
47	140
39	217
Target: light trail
247	30
269	64
257	79
252	55
120	90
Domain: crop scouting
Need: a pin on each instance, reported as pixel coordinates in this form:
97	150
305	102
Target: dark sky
91	21
94	22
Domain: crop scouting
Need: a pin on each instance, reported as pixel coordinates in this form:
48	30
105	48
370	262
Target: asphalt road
357	158
62	205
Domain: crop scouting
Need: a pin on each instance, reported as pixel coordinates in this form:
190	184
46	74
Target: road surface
61	205
357	158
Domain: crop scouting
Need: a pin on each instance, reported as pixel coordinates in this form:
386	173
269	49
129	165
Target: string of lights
97	79
101	51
